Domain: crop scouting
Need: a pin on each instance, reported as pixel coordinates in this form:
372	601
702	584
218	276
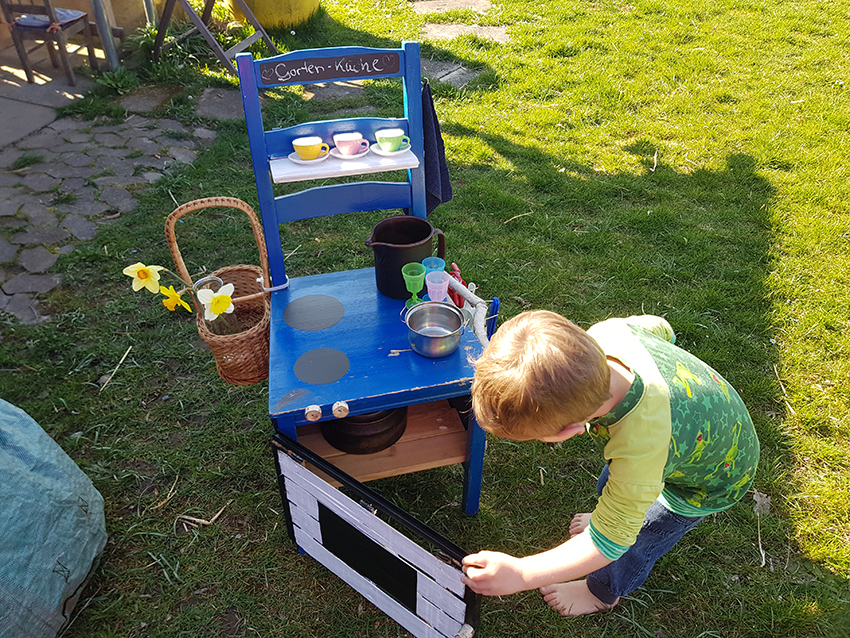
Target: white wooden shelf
285	170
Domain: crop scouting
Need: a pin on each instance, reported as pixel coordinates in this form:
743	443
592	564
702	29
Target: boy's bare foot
573	599
579	523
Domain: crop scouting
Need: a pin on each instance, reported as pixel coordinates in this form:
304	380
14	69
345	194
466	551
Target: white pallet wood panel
376	529
432	597
369	590
433	614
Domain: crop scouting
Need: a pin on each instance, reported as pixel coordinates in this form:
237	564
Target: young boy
678	442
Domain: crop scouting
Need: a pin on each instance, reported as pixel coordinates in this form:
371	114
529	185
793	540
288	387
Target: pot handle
403	314
441	243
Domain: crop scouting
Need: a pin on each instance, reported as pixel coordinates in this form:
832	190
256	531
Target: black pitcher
397	241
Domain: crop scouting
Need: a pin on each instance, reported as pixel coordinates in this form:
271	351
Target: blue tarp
52	529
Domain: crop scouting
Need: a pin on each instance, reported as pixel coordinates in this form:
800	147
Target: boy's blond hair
539	374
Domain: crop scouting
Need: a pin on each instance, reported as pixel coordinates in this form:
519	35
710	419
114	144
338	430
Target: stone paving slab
80	227
436	6
7	251
27	282
36	260
221	104
450	72
25	308
451	31
30	117
333	90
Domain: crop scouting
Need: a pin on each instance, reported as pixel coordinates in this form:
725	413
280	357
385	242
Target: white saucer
379	151
335	153
293	157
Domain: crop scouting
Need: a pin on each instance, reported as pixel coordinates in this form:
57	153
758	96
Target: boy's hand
493	573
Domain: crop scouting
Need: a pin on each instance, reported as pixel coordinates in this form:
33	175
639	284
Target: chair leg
51	51
89	43
162	29
61	42
252	19
23	57
204	31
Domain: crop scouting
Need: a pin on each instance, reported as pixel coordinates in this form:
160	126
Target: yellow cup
310	148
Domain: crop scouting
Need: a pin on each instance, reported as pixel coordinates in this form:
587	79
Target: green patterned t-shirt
681	435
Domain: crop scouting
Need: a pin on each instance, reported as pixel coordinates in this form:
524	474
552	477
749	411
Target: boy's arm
498	574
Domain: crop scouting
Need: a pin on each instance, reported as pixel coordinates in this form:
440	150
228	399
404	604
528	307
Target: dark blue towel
438	187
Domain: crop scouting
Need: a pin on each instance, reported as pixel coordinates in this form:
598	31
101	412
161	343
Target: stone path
73	177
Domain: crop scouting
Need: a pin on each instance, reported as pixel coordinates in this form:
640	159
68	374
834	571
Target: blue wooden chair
362	363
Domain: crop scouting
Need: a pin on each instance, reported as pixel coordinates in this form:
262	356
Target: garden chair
201	25
38	20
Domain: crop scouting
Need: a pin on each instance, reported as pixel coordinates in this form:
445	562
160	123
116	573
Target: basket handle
214	202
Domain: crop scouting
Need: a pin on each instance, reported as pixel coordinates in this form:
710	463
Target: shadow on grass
540	230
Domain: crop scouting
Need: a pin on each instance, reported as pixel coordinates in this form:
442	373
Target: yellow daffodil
144	276
172	299
216	303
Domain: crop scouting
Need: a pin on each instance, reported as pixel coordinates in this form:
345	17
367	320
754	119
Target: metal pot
366	433
434	328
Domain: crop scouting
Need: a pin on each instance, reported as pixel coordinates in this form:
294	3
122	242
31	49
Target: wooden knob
340	409
313	412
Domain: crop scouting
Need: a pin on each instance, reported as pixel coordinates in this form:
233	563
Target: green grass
679	158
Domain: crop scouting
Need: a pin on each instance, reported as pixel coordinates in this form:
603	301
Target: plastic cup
414	278
437	283
433	263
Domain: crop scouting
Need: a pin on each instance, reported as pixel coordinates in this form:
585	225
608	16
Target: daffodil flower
216	303
172	299
144	276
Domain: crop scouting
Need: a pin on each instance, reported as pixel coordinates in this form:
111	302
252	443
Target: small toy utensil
454	296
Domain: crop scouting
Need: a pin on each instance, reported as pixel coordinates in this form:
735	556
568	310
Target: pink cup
437	283
350	143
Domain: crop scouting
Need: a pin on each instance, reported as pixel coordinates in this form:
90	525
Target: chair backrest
329	65
12	10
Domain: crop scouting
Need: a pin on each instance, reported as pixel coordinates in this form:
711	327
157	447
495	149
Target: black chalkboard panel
312	70
389	572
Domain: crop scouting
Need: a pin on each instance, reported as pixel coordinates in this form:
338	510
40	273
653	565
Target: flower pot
277	13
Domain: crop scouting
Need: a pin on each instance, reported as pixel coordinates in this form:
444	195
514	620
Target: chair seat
38	21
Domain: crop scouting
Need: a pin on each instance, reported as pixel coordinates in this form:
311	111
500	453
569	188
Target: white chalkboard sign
419	590
321	69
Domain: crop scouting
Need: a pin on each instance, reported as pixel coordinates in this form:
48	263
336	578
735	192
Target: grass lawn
688	159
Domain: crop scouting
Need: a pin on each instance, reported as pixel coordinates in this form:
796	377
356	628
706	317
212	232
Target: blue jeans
661	530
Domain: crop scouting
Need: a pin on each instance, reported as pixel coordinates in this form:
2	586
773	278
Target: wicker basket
241	358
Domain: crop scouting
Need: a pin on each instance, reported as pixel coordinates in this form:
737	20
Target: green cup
392	139
414	280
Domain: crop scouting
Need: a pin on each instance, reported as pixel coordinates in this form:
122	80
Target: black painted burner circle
321	366
313	312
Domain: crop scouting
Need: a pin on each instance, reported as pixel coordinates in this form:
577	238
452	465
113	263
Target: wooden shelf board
434	437
284	170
